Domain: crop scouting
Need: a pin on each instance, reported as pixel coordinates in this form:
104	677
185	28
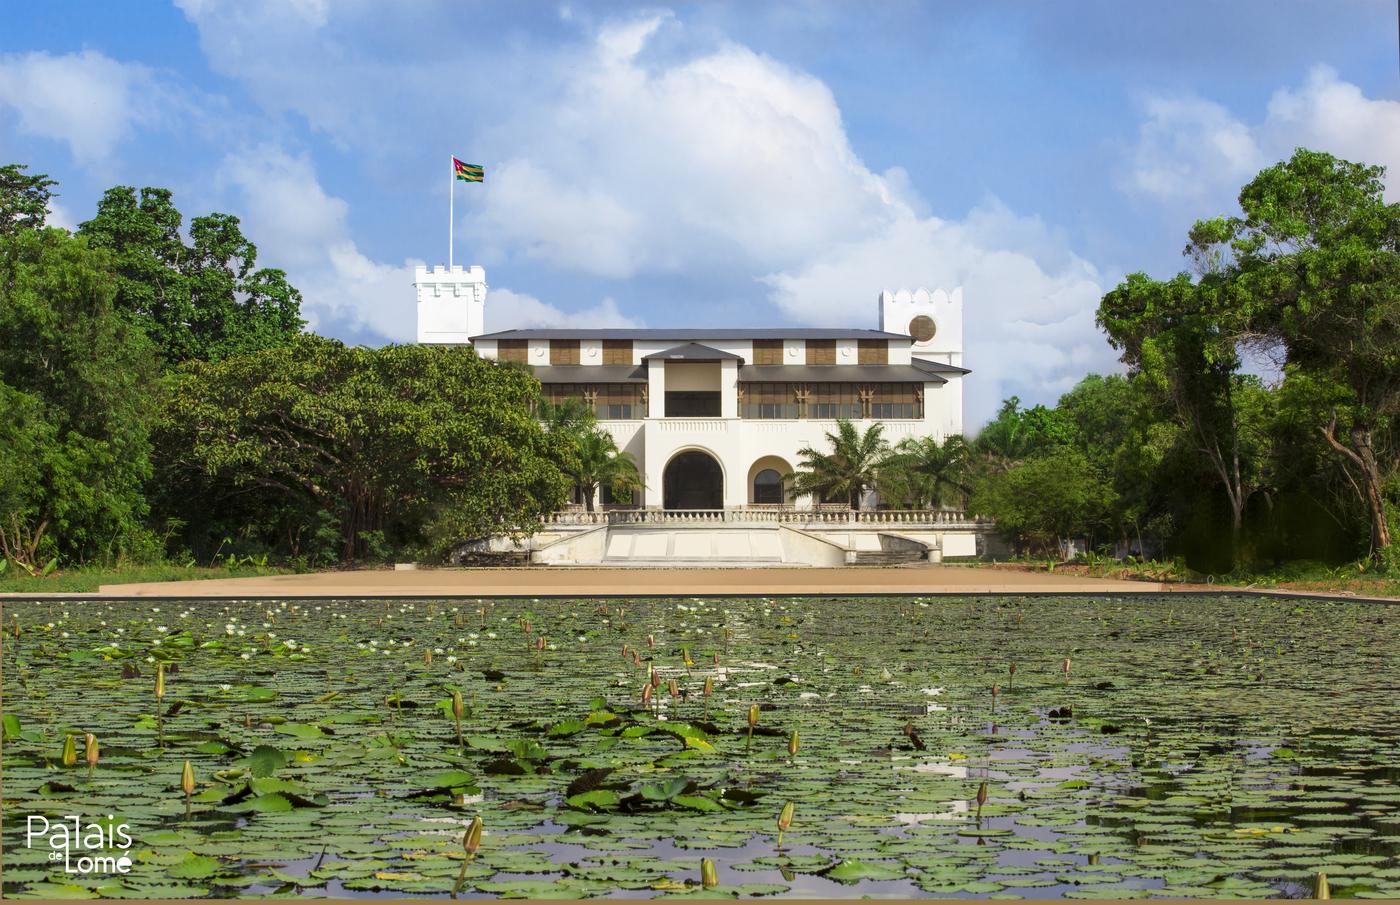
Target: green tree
404	447
599	463
1315	264
852	464
1180	339
78	403
924	472
207	300
24	199
1045	501
1016	434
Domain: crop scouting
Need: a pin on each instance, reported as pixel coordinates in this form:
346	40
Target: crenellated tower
451	304
932	317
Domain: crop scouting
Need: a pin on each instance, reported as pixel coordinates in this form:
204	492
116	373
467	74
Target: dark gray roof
693	352
700	335
590	374
836	374
937	367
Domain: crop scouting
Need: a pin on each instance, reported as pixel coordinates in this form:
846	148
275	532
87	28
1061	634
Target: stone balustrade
787	515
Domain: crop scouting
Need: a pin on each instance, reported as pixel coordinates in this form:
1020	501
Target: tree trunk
588	491
1363	455
1371	481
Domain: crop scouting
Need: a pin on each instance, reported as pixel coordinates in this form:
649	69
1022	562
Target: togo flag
468	172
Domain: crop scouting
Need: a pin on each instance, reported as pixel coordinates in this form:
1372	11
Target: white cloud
507	310
1194	154
303	230
87	100
656	152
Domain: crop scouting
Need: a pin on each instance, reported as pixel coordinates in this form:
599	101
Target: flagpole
451	201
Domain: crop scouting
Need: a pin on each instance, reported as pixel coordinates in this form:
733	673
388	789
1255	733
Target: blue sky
706	163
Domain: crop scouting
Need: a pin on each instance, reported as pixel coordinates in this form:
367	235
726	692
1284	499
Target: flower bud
709	877
160	681
471	839
753	715
1066	666
673	688
90	749
709	686
981	795
427	658
792	744
459	707
70	751
187	779
785	816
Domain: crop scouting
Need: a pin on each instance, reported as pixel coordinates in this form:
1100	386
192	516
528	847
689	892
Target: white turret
932	317
451	304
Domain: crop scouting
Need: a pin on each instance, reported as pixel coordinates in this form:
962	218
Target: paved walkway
545	581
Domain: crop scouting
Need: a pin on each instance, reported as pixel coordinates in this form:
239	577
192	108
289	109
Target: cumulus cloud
653	152
1193	153
303	230
507	310
87	100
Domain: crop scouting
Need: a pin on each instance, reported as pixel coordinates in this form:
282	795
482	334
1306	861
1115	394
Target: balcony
770	515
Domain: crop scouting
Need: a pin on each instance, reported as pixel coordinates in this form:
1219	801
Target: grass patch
80	580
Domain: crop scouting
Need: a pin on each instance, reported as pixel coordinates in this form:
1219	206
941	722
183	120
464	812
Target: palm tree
932	471
853	463
601	464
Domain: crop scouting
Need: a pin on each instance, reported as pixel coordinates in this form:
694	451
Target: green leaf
597	800
265	760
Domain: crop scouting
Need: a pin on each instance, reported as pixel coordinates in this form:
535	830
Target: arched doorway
693	480
768	487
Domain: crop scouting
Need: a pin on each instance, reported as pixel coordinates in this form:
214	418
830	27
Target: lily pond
1080	747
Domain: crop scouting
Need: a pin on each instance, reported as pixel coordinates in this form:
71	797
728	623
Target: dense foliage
158	398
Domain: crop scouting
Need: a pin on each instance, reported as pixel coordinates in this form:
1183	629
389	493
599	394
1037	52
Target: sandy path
540	582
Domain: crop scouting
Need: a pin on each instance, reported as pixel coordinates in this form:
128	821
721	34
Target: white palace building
715	418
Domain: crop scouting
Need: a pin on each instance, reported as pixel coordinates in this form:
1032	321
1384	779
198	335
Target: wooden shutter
874	352
512	350
617	351
563	351
821	351
768	351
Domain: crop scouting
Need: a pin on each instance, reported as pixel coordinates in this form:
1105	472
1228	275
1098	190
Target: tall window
563	351
874	352
897	400
835	400
770	400
609	401
512	350
768	351
768	487
821	351
617	351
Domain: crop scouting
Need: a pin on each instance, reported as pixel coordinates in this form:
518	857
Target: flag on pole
468	172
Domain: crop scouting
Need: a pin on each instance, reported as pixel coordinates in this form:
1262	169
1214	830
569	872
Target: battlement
933	317
451	303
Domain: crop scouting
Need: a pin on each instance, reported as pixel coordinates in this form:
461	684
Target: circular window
922	328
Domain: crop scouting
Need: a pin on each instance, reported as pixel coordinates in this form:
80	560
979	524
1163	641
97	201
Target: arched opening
693	480
768	487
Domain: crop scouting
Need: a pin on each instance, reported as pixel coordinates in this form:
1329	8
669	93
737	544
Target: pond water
1136	746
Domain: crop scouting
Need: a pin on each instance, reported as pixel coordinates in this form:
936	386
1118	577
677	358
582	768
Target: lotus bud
471	839
1066	667
709	686
792	744
646	693
427	658
187	779
673	688
539	642
709	877
996	690
160	681
981	795
636	659
90	750
1320	888
655	678
70	751
785	816
716	658
1013	669
753	715
459	707
625	652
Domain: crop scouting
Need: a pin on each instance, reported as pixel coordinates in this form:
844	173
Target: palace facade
715	417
